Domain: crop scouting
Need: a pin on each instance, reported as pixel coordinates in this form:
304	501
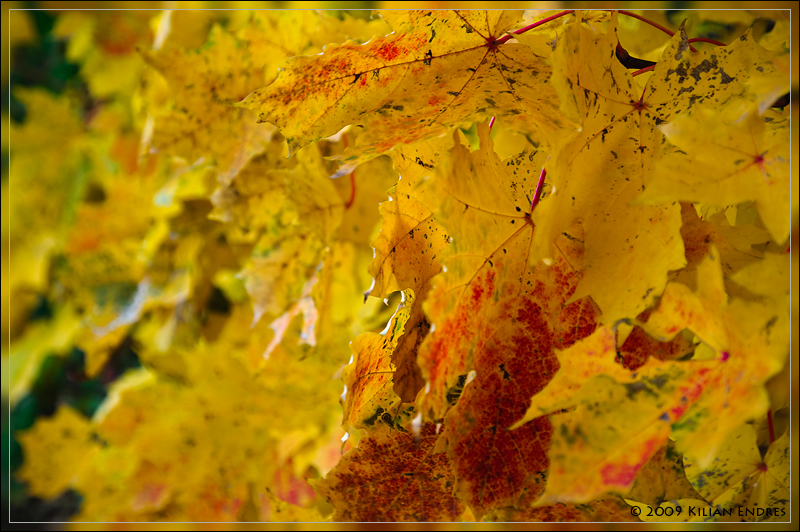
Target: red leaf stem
509	36
704	39
352	190
642	71
539	186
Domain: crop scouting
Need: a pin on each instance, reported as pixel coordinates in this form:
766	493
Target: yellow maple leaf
698	403
56	450
591	356
750	340
375	85
734	81
201	121
406	251
739	480
500	315
369	377
589	455
486	260
104	44
598	171
721	164
403	259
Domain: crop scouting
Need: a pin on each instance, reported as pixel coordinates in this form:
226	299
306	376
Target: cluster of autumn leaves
623	344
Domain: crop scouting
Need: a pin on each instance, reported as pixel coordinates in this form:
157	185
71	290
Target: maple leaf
500	315
735	81
619	117
750	333
376	85
369	378
56	448
587	358
286	256
756	333
105	47
590	456
698	403
392	476
489	279
400	254
201	121
599	170
739	477
727	164
406	251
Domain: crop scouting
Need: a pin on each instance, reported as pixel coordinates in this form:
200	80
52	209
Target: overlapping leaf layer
592	324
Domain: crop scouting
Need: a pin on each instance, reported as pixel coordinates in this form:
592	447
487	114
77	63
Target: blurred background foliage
78	73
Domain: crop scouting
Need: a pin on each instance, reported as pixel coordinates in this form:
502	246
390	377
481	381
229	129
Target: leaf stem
654	24
771	427
643	70
352	190
704	39
539	186
509	36
491	123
